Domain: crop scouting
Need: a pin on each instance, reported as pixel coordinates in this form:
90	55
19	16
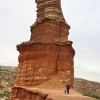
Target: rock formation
48	52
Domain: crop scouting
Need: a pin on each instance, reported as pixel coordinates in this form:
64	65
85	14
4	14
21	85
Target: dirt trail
58	94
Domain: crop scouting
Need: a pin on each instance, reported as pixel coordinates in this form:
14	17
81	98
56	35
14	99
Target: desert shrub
5	94
1	87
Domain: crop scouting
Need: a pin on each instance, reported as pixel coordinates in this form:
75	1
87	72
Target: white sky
16	17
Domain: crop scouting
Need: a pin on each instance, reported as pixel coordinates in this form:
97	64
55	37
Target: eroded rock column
48	52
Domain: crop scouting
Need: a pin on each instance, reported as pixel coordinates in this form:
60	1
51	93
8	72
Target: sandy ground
58	94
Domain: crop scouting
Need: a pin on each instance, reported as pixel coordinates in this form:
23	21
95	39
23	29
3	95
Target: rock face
24	94
50	26
48	52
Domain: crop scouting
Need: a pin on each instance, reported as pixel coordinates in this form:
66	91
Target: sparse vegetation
88	88
5	94
1	87
7	74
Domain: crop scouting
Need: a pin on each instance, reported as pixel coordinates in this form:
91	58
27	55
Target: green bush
5	94
1	87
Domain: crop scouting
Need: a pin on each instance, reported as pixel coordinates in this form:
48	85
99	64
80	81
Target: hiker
67	87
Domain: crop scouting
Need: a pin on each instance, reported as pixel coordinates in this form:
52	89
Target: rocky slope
89	88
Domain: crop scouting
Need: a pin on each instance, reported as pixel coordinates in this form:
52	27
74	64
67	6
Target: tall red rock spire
48	52
50	25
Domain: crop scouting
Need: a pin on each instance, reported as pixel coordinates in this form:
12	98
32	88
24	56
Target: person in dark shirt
67	87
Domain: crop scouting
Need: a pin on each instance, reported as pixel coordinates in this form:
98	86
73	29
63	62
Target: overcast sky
16	17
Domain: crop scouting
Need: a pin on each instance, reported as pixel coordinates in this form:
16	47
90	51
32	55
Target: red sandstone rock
48	52
48	99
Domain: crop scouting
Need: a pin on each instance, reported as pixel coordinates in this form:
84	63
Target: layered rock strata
50	25
20	93
38	62
48	52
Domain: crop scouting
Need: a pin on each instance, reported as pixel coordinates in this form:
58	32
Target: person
67	87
